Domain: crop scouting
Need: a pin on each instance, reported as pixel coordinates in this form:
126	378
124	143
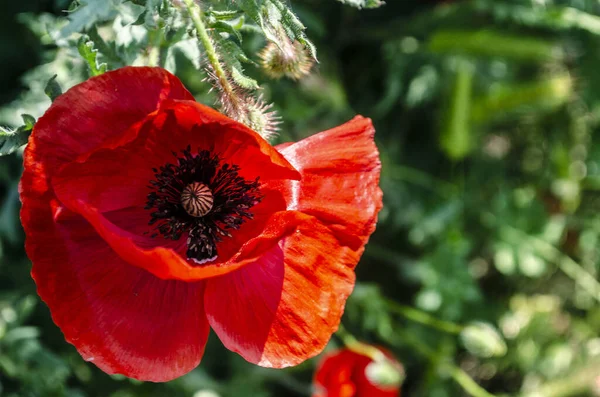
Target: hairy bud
291	60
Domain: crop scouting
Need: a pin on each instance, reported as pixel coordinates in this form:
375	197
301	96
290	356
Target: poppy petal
118	316
166	263
283	308
101	109
340	179
116	178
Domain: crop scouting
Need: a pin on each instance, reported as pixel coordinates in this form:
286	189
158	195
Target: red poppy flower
151	218
347	373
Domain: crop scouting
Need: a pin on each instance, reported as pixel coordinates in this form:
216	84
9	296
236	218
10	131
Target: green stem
154	54
466	382
211	52
358	347
421	317
457	374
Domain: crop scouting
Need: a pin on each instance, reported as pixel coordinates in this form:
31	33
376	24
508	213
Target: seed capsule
197	199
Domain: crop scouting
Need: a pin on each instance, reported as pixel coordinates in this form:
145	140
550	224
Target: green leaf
495	44
53	89
224	27
226	15
363	3
86	49
88	14
242	80
275	19
152	7
28	120
456	139
11	141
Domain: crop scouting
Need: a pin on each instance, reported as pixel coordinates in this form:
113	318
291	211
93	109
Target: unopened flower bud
385	373
483	340
258	116
293	60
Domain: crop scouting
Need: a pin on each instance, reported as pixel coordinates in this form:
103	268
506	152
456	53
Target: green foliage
364	3
11	141
86	49
85	14
52	89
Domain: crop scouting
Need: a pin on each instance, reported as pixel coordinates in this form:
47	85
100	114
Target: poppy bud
293	60
483	340
258	116
358	373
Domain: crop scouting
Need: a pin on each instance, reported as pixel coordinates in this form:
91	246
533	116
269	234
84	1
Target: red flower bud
350	373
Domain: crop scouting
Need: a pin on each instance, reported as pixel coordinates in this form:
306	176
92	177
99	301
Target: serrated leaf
227	15
152	8
28	121
86	49
108	50
363	3
224	27
242	80
273	16
141	19
88	14
11	141
52	89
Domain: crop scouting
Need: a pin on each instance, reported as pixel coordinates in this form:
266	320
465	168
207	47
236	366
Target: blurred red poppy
347	373
151	218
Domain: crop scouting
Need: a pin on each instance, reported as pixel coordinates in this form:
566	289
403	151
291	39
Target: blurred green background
486	113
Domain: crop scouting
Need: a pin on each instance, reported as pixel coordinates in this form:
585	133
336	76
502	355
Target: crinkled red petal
340	179
333	376
112	312
116	178
99	111
120	317
282	309
166	263
116	181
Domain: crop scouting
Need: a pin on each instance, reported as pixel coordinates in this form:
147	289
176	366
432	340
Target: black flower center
203	197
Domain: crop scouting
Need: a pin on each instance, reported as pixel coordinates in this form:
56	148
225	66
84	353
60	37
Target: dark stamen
202	197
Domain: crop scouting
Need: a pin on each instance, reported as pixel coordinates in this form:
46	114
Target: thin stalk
154	54
421	317
358	347
211	53
466	382
456	373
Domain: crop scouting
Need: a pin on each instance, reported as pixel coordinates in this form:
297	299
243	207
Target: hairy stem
211	52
